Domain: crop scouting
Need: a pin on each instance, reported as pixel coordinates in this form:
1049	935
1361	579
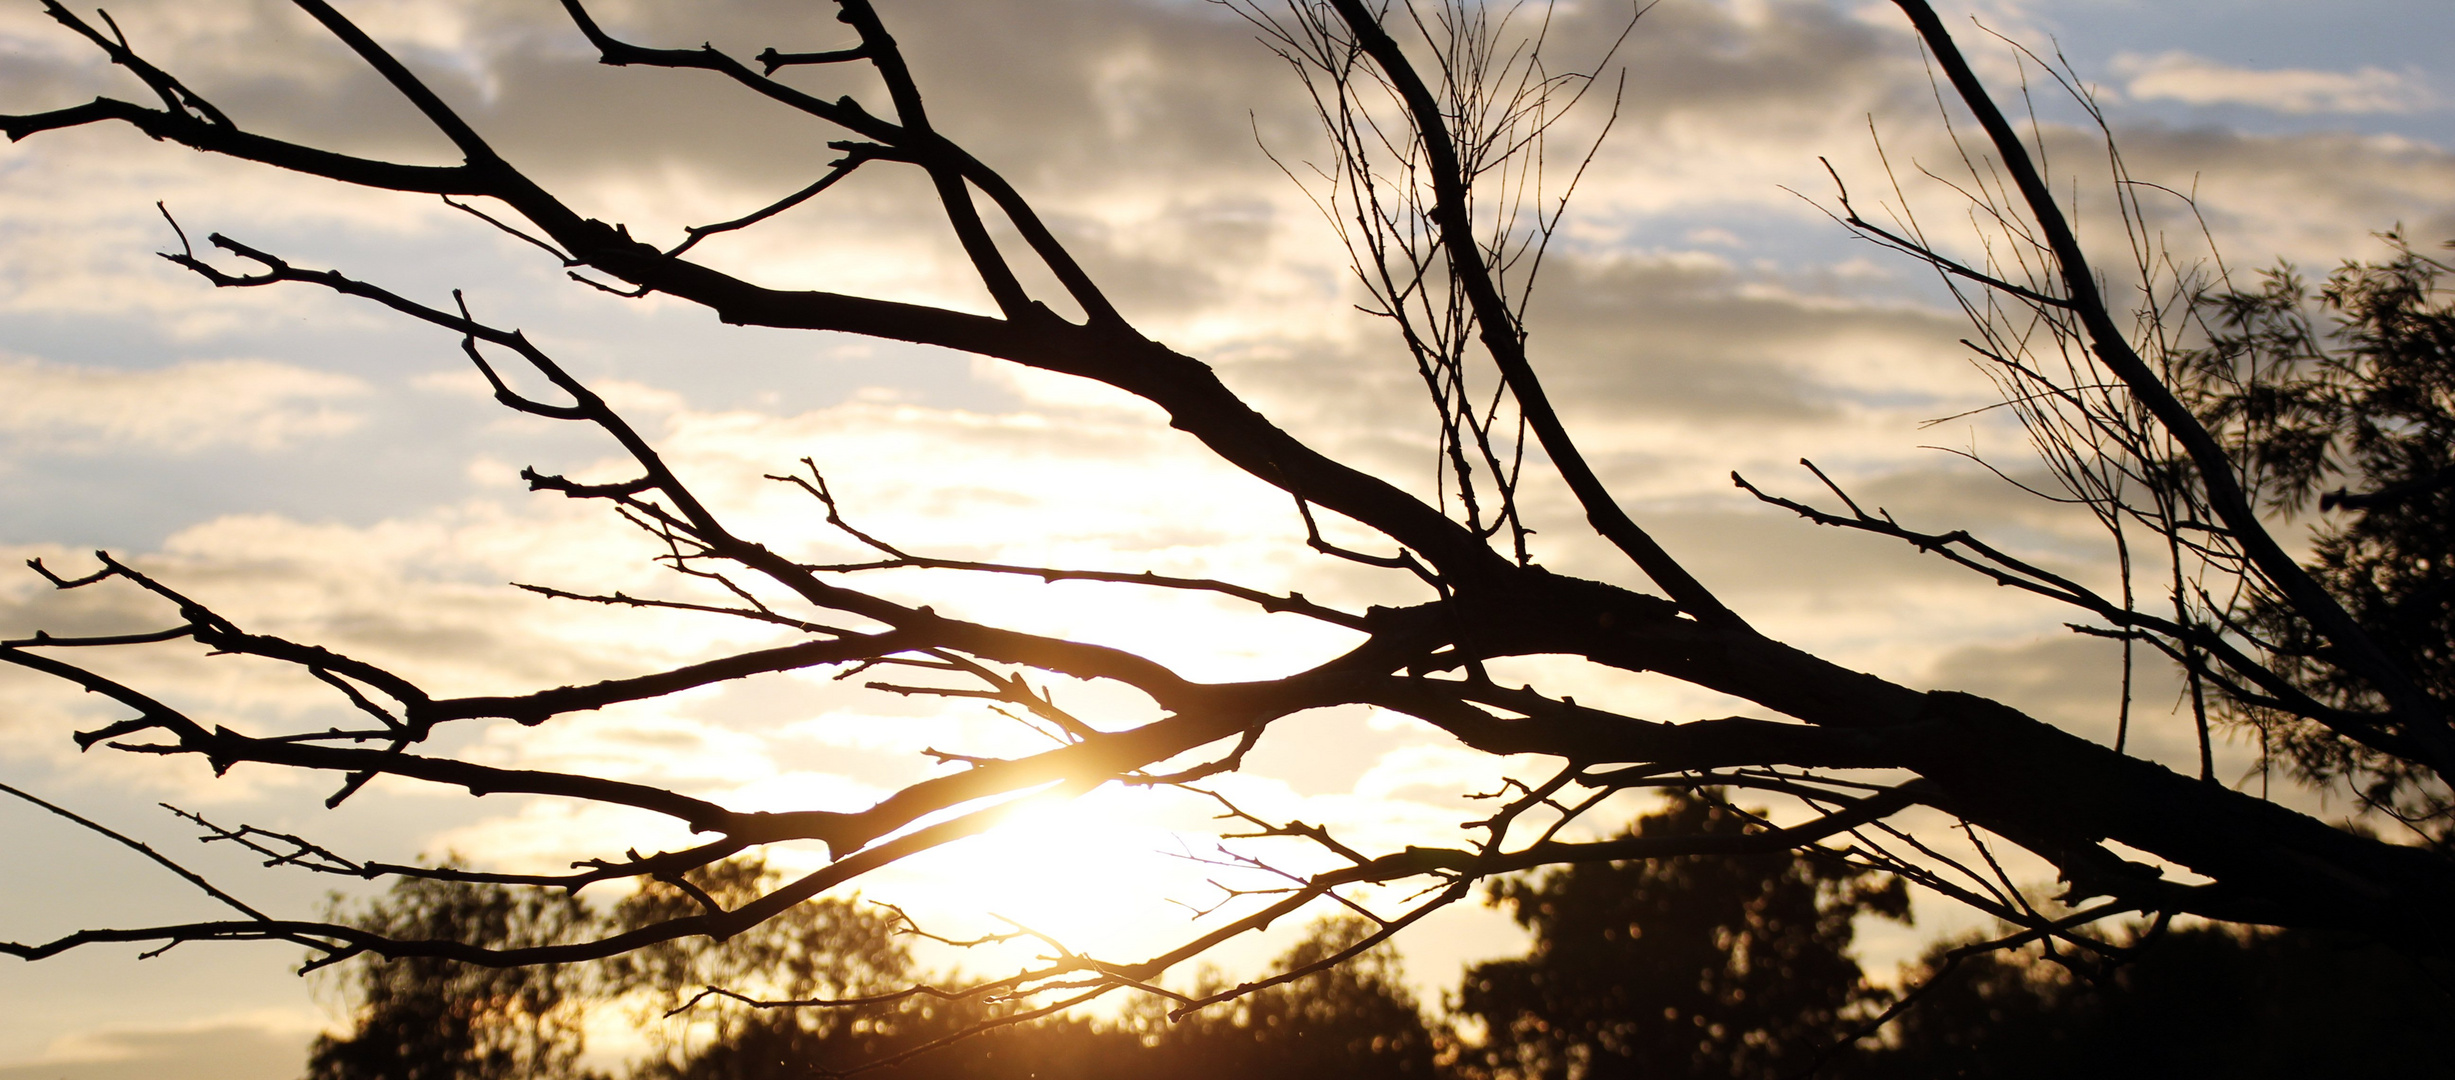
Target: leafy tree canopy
2204	1001
2355	387
1700	966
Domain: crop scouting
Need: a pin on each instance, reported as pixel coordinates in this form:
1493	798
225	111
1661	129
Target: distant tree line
1708	966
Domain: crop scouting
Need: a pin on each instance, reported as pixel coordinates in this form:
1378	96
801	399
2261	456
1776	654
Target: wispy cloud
258	1043
2197	80
255	404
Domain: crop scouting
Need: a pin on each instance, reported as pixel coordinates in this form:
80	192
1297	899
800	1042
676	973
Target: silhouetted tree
2200	1002
425	1018
1692	966
1350	1020
2354	387
1354	1019
421	1018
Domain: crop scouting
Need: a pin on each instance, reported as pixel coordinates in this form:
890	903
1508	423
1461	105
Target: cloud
221	1052
2315	198
257	405
2196	80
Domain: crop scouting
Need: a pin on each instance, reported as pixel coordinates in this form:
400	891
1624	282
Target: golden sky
327	472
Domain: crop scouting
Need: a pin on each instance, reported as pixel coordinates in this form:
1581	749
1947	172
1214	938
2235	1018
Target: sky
327	472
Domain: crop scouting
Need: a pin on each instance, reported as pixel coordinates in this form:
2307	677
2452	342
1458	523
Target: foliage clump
1697	965
2197	1001
2354	387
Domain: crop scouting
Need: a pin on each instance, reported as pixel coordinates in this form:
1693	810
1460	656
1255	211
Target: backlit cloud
254	404
2196	80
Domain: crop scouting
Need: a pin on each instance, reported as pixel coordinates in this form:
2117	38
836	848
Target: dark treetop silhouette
1698	965
1427	125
